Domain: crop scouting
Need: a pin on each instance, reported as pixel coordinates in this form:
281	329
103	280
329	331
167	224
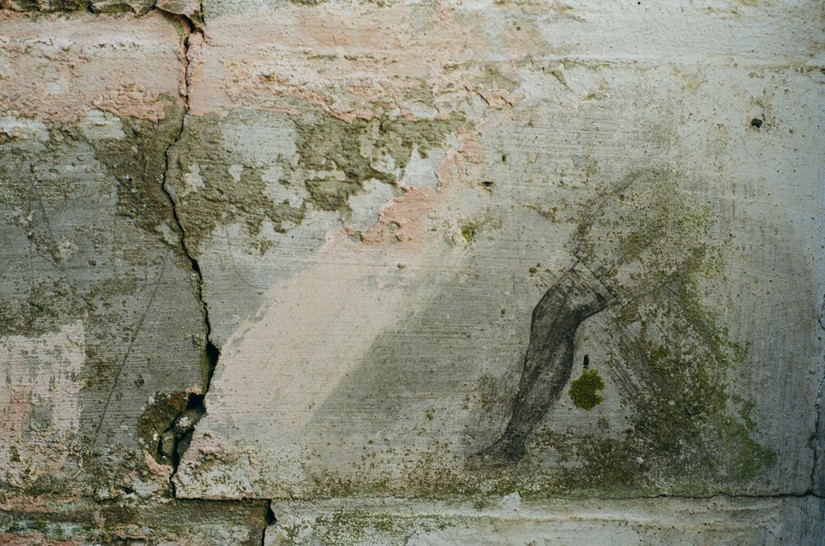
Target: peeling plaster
388	218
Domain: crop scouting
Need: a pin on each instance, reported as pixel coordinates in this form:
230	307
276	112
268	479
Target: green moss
468	231
583	391
332	161
471	229
138	165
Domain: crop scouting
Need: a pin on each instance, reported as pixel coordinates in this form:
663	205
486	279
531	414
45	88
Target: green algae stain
686	423
584	390
468	231
339	156
317	159
138	165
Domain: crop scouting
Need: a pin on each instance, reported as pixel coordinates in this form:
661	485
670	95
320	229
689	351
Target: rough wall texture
427	273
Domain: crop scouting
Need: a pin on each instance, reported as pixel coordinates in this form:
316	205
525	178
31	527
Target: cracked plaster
455	222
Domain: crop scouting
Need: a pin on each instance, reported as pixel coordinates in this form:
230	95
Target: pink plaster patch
57	68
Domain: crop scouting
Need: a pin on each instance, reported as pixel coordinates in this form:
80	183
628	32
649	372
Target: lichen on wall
251	169
412	272
40	405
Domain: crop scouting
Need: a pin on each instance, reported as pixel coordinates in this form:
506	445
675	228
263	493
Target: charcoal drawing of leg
549	360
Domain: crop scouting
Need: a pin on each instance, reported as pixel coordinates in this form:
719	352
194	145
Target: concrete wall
411	272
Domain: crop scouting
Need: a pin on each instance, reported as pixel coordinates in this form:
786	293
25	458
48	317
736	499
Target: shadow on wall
640	248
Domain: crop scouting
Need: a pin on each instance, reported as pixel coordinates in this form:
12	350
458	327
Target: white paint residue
24	129
98	125
192	180
368	203
39	398
261	142
420	171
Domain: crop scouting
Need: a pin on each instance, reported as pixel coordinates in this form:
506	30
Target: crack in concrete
818	407
813	442
270	520
195	404
193	35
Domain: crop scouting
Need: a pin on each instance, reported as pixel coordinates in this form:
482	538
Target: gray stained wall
411	273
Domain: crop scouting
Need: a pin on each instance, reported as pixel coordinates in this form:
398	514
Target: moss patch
686	426
138	165
329	160
583	391
688	432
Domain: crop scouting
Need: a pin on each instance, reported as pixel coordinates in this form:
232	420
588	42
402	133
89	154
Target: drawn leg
549	359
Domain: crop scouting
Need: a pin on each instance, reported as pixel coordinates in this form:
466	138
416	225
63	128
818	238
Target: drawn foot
502	452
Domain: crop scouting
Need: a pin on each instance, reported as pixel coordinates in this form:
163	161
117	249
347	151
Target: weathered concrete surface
96	6
100	324
445	256
374	308
103	357
62	521
717	520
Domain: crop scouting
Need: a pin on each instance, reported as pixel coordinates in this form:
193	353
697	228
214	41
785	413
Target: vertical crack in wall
269	520
180	432
182	428
815	441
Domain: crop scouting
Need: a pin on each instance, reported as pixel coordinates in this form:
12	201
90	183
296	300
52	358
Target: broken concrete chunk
191	9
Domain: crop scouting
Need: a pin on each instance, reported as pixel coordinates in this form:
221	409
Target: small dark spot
468	232
488	184
503	312
504	158
533	270
586	363
757	123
